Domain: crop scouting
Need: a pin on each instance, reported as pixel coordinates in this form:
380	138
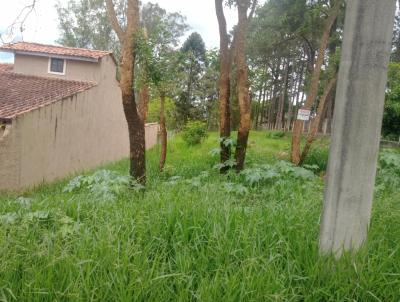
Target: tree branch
112	16
20	19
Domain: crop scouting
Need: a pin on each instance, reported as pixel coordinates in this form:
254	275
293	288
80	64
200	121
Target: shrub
194	132
275	134
389	169
318	156
103	184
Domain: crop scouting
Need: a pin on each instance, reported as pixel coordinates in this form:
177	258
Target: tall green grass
184	240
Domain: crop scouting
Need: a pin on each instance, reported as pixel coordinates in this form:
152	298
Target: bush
318	156
194	132
275	134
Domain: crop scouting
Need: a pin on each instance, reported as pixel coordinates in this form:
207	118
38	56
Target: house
60	113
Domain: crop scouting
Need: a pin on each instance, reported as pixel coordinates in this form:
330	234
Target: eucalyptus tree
84	24
193	64
315	79
234	51
159	60
127	38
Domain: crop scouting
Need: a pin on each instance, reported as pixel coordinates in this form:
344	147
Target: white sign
303	115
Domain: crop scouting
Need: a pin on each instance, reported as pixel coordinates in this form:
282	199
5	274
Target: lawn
194	235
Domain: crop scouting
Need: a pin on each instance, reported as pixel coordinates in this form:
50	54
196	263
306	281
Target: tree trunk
281	105
163	132
313	91
275	89
256	117
262	113
224	86
317	120
135	123
243	87
144	93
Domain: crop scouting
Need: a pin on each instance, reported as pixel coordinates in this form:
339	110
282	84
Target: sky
41	25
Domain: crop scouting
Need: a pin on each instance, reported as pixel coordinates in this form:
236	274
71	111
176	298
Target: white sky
41	25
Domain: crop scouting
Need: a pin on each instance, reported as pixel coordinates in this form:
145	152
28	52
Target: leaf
235	188
38	215
215	152
9	218
303	173
23	201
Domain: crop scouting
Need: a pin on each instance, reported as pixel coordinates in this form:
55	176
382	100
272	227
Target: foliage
389	170
193	64
194	132
281	170
84	24
156	55
275	134
170	113
103	184
163	28
191	242
318	157
391	116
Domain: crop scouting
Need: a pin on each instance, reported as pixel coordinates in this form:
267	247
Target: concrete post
357	124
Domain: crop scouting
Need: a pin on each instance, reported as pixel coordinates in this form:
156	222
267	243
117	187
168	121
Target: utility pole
357	125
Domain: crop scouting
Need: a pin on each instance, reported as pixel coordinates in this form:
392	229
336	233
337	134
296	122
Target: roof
43	49
23	93
5	67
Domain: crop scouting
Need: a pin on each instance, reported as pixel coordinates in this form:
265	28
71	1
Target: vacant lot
195	235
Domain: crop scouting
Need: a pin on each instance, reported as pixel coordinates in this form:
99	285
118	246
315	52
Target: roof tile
5	67
23	93
54	50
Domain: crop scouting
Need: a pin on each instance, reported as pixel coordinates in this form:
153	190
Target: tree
193	65
229	52
224	85
159	61
19	22
161	31
127	37
313	90
84	24
242	81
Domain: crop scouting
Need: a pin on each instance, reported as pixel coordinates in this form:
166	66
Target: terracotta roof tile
5	67
54	50
22	93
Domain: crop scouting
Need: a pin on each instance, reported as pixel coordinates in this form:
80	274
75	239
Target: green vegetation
275	134
194	235
154	113
194	132
391	115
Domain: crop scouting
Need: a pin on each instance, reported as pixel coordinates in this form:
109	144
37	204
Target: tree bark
243	86
313	91
163	132
135	123
224	86
317	120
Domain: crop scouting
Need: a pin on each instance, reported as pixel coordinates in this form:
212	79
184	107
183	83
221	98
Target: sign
303	115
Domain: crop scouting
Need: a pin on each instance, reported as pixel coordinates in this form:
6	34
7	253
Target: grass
183	240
